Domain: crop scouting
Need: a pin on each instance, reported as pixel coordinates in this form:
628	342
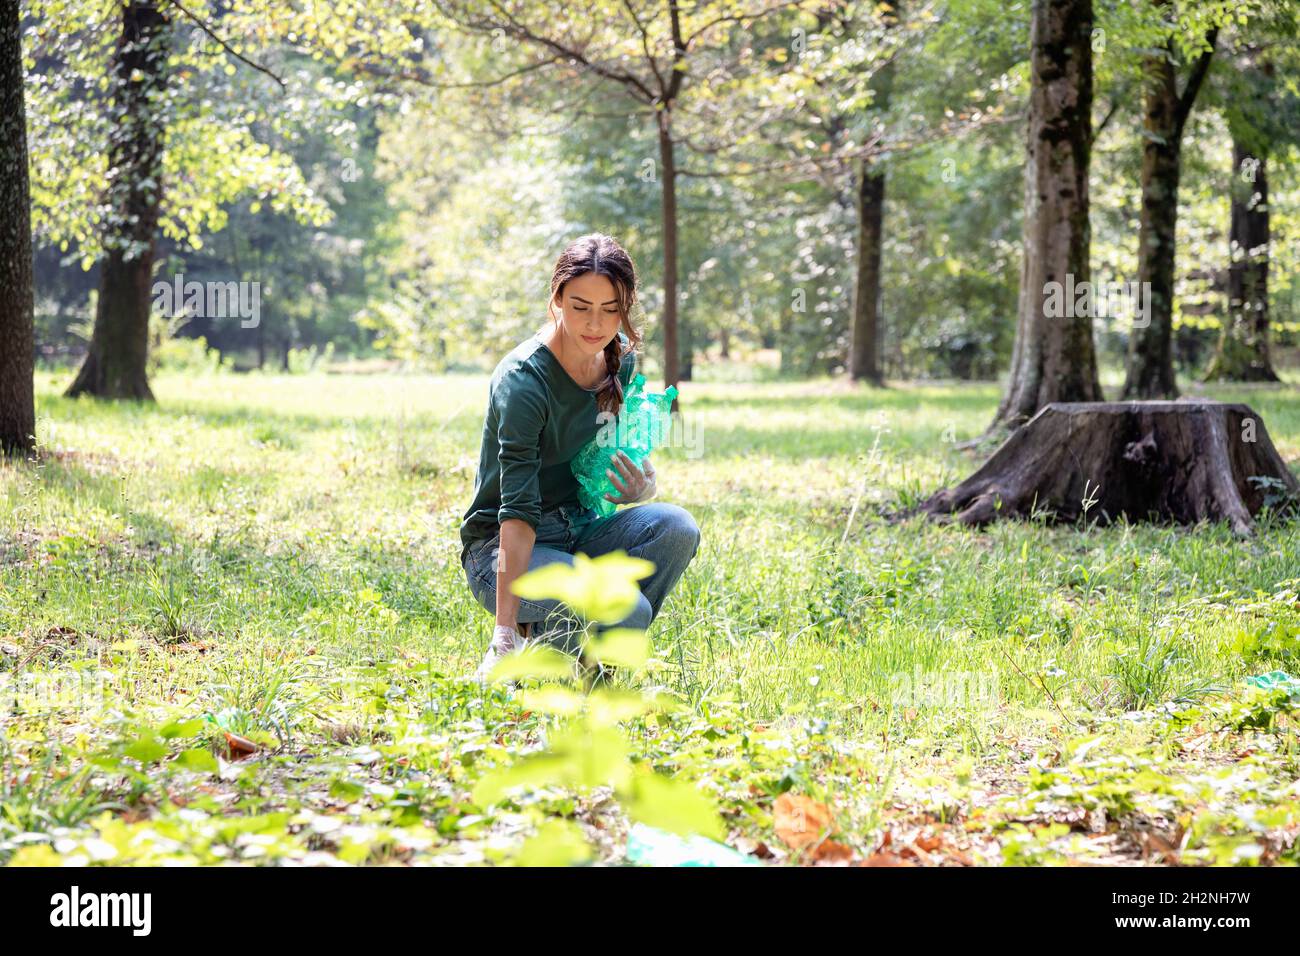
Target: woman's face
589	316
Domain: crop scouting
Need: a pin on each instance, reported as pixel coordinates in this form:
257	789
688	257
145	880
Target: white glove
634	484
506	638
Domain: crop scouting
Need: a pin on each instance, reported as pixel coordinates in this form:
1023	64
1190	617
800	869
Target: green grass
281	553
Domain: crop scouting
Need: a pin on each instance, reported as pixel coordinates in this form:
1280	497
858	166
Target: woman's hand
637	484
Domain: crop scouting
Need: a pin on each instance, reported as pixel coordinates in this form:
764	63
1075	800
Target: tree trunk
864	353
668	198
1053	359
686	349
1171	461
868	294
1243	351
115	366
17	345
1150	368
1150	371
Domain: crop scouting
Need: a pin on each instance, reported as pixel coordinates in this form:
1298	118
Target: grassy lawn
276	558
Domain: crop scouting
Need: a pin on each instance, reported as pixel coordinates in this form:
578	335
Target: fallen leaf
883	859
929	843
916	853
801	821
828	851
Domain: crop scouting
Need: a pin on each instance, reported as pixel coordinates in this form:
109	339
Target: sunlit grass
251	541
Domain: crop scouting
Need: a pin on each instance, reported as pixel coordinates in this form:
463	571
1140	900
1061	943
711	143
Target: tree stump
1183	461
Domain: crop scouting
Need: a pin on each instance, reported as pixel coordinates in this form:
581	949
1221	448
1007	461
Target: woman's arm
521	419
513	555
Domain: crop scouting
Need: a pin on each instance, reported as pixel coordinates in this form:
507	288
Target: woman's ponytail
610	396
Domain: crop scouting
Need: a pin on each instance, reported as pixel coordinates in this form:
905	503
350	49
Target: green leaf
556	843
533	661
621	647
197	760
551	700
610	706
664	703
145	750
579	757
346	789
600	755
673	805
538	770
186	728
603	589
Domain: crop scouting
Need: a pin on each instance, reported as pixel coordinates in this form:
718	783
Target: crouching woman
544	403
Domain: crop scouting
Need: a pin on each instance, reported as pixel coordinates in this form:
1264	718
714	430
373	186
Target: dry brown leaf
828	851
196	646
1155	844
929	843
883	859
801	821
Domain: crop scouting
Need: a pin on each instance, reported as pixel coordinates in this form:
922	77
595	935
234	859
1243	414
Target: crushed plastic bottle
638	428
650	846
1276	680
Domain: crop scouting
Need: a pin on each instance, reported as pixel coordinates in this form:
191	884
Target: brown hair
601	254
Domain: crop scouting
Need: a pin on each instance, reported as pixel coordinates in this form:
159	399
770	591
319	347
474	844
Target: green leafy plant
588	748
1274	640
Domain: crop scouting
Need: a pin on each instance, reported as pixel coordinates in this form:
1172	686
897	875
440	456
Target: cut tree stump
1183	461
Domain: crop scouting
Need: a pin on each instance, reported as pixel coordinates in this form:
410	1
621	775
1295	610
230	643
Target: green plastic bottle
650	846
641	425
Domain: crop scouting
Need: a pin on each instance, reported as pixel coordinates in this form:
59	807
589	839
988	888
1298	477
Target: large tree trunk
668	198
866	329
116	365
864	353
1150	368
1243	351
1053	358
1171	461
17	405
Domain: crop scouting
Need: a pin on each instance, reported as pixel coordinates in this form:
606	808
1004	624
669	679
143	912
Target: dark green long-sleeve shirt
537	420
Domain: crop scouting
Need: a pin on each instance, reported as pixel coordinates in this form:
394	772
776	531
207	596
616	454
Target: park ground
234	628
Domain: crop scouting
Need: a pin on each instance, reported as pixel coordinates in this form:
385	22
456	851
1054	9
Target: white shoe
505	640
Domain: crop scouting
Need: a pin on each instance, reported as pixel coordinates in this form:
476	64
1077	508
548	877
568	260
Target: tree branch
508	24
679	53
420	76
1105	120
224	45
645	44
1194	81
738	18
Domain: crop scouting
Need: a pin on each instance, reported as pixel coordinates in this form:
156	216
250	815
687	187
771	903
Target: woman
543	406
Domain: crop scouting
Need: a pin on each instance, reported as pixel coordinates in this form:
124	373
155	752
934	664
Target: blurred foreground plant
588	748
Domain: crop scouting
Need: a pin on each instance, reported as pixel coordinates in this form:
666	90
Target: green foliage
586	749
266	556
209	112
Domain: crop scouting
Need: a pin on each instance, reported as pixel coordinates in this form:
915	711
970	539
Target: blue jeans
657	531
